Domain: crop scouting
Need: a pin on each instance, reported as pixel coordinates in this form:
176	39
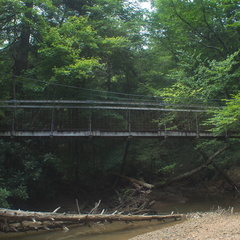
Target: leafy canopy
227	118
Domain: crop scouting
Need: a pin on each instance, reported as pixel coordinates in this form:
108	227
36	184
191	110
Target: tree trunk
196	170
22	48
124	161
21	60
11	220
225	176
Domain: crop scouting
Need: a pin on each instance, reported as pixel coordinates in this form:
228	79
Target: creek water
122	230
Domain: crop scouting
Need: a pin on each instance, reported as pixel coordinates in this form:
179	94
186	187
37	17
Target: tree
21	26
197	37
204	81
209	27
227	118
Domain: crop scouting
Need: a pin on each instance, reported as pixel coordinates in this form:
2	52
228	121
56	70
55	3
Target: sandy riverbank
213	225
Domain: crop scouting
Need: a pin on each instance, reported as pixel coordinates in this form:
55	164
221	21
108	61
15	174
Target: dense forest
186	51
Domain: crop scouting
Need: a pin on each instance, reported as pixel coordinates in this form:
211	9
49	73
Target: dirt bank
213	225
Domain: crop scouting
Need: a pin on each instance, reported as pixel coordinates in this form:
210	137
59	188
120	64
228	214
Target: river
122	230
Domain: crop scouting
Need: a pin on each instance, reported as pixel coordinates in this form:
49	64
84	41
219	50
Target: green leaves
227	118
20	170
79	71
219	79
4	194
207	26
65	51
208	81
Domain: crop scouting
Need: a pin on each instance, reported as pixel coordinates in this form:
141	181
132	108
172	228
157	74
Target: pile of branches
133	205
135	198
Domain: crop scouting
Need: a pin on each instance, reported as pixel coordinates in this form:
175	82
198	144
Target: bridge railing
88	115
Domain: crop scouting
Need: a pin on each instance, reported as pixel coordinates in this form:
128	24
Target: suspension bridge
105	118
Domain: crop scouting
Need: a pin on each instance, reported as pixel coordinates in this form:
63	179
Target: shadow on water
122	230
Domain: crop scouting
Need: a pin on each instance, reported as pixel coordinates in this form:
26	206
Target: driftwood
17	220
137	183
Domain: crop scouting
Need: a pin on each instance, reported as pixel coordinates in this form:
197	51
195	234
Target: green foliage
20	192
220	78
201	48
226	118
62	52
203	25
203	82
21	170
4	194
169	169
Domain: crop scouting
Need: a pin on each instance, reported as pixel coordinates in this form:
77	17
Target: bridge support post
226	134
90	122
165	130
13	121
52	122
129	122
197	126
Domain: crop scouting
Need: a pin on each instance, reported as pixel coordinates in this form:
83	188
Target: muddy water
122	230
114	231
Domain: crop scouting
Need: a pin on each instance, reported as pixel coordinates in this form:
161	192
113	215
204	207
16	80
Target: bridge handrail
104	107
128	104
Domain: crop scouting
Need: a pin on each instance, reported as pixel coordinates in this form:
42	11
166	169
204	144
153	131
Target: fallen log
17	220
224	175
198	169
